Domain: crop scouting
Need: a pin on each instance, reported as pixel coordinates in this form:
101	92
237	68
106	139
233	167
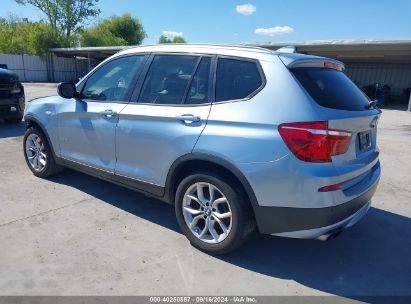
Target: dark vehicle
11	97
381	93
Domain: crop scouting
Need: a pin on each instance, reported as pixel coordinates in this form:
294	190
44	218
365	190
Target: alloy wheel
207	212
36	152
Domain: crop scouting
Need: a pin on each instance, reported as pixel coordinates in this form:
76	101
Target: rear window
331	88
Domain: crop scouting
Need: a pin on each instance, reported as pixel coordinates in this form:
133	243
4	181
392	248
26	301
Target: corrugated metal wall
69	69
396	75
45	69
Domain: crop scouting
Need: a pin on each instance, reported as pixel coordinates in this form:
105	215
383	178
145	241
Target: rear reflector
314	141
330	188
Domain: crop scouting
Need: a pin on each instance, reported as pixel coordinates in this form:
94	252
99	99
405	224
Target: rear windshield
331	88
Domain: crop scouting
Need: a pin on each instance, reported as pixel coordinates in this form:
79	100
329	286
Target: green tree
14	36
33	38
179	39
176	39
163	39
116	30
65	16
42	38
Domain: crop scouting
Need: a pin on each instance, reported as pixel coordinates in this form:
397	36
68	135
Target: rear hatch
345	108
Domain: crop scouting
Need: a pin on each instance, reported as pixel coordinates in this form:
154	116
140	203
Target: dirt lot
76	235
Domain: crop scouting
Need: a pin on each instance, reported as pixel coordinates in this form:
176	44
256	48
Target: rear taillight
314	141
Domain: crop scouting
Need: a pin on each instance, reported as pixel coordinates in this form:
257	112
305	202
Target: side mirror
67	90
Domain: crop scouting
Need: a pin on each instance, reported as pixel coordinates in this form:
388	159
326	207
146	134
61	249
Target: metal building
367	61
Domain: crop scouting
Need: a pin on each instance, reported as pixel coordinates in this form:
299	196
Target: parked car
381	93
234	137
12	100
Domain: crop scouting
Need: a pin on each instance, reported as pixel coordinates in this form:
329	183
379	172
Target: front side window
236	79
113	81
168	79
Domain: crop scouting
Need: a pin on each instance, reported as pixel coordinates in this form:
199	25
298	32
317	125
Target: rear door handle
188	118
109	113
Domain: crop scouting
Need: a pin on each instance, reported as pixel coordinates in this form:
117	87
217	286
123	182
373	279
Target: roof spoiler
307	61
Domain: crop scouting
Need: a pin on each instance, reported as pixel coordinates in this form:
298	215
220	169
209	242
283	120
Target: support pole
24	68
409	103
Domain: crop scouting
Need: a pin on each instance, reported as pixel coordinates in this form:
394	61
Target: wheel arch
197	161
31	121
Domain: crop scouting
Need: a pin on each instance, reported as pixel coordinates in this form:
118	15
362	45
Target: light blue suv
235	137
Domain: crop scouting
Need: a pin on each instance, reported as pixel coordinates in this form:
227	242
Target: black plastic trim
286	219
130	183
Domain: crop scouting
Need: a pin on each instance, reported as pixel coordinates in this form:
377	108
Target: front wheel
215	216
38	153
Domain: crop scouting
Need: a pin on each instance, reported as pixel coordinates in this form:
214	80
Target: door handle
109	113
188	118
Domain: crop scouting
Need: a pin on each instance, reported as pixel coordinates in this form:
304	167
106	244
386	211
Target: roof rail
238	46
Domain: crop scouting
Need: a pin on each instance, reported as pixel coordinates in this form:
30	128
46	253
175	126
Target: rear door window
331	88
168	79
236	79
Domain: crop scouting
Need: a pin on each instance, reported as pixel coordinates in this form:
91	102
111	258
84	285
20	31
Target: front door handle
188	118
109	113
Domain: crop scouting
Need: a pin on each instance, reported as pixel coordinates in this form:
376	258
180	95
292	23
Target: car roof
246	51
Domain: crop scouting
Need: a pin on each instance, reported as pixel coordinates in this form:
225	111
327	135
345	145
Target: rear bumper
312	222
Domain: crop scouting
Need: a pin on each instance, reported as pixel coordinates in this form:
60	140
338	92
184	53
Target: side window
198	92
167	79
112	82
236	79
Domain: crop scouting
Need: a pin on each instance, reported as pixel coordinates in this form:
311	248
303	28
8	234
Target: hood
7	74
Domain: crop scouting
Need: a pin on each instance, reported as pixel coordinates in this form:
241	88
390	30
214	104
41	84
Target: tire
14	120
191	207
36	146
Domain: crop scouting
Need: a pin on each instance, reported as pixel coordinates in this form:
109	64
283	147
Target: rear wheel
212	214
38	154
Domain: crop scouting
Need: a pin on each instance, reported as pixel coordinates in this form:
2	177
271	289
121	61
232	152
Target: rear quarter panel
245	131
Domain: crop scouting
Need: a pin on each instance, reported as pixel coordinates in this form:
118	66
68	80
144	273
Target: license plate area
364	140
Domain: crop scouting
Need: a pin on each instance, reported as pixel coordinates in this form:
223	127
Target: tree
42	38
116	30
33	38
164	39
179	39
65	16
14	36
176	39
